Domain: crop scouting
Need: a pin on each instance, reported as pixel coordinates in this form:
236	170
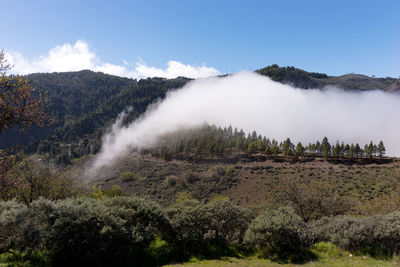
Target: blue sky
334	37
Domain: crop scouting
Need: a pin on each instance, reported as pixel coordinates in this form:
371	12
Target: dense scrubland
131	231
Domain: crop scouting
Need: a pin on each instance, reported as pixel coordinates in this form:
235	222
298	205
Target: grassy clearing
327	254
345	261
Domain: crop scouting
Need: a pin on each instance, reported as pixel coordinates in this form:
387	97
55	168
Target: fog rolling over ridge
253	102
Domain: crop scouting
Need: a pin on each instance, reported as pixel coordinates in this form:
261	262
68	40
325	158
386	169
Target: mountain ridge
85	102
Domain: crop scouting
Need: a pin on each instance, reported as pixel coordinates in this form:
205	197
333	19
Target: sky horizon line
332	37
79	56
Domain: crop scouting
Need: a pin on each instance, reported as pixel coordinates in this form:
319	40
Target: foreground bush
84	231
276	228
378	236
327	250
227	222
129	231
205	229
278	234
25	228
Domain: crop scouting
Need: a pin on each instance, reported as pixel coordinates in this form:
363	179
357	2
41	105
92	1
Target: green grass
327	254
18	259
254	261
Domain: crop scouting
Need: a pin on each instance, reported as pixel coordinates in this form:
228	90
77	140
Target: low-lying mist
253	102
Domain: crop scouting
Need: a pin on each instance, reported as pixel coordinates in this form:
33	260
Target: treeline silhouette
304	79
212	141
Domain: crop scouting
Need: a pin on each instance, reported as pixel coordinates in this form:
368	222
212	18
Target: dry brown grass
372	187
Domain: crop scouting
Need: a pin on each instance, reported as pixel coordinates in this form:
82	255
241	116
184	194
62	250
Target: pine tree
351	151
327	153
357	150
299	150
381	149
287	147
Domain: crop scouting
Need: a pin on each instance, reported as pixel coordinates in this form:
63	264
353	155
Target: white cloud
78	56
253	102
176	69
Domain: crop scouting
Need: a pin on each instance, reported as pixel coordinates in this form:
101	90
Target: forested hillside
303	79
84	103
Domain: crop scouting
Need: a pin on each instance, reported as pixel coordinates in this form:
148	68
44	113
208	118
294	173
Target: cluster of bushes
120	231
377	235
84	231
126	231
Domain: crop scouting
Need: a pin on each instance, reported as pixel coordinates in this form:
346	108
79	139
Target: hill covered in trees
84	103
303	79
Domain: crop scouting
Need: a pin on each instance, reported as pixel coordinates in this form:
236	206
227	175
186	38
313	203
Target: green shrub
97	192
191	177
327	250
189	222
377	236
206	229
278	233
346	232
114	231
23	259
85	231
127	176
114	191
185	197
161	252
276	228
217	171
229	171
24	228
387	233
227	223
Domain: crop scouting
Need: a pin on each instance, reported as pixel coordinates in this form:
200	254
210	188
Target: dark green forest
85	103
48	218
306	80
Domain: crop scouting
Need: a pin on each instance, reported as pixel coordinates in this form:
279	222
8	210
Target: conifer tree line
63	153
210	140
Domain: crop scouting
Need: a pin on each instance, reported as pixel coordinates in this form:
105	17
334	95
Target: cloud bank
253	102
78	56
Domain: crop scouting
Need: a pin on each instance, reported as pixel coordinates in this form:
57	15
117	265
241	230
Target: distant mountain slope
84	102
303	79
